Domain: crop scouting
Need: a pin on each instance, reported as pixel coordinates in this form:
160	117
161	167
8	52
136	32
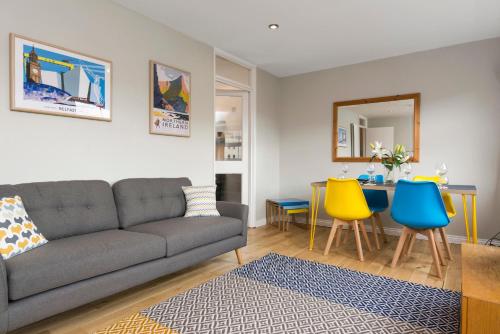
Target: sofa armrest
4	297
235	210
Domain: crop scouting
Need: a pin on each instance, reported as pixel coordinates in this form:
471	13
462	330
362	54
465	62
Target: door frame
252	111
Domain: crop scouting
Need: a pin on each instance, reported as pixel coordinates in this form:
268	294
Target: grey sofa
104	240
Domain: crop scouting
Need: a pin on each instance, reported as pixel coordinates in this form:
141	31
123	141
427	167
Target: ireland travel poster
50	80
170	96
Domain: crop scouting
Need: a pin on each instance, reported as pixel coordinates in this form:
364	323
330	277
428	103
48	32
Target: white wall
460	119
40	148
267	141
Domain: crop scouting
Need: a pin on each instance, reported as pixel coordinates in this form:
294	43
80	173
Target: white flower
378	150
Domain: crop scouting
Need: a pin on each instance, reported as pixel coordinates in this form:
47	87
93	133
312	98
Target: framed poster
342	137
170	101
47	79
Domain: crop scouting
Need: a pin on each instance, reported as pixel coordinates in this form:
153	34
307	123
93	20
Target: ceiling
319	34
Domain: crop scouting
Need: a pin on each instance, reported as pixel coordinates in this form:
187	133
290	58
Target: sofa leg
238	256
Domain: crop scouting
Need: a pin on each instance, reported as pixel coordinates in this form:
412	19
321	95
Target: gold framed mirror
390	120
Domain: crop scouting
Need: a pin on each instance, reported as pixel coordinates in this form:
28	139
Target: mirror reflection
389	122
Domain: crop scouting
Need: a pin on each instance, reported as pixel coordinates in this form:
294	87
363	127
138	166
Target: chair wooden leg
330	237
380	226
338	235
432	245
408	241
412	242
444	239
440	255
399	247
358	240
307	220
347	232
374	232
365	235
238	256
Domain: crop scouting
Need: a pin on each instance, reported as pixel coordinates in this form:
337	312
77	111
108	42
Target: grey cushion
73	259
144	200
67	208
185	233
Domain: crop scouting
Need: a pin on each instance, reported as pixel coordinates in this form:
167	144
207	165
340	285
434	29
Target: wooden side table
285	211
480	289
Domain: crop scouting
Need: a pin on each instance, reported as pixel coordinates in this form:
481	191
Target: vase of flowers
390	159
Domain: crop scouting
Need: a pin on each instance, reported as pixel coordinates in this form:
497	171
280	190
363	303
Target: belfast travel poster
170	101
51	80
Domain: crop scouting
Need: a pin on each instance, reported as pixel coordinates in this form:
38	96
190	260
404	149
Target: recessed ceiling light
273	26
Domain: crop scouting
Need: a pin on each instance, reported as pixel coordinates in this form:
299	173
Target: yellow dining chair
448	202
346	204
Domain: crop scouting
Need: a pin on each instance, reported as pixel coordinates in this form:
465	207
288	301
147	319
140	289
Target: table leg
474	220
279	217
466	217
314	213
267	212
313	205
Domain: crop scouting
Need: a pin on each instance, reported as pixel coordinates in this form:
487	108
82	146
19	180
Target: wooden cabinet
480	289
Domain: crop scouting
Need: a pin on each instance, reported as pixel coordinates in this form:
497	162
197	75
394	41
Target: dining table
465	191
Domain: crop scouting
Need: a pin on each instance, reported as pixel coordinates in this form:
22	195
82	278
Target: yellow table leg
318	195
314	213
313	206
474	220
466	217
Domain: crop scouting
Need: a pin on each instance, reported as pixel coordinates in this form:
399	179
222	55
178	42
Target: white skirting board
453	239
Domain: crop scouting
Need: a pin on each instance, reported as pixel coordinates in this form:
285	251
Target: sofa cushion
145	200
185	233
200	201
66	208
73	259
18	233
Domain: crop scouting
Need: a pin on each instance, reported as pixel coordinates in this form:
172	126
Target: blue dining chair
419	207
377	202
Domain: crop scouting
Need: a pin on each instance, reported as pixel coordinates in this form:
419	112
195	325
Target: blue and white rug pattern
280	294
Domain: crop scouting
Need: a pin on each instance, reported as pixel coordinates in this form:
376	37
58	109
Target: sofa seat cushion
68	260
185	233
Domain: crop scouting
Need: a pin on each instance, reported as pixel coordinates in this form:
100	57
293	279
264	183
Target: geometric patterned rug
280	294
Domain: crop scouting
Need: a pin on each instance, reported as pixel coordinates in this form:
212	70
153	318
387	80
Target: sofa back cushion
145	200
67	208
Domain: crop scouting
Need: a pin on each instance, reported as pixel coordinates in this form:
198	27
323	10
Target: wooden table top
450	188
481	272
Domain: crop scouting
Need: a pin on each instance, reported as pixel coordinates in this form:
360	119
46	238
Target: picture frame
342	137
52	80
169	100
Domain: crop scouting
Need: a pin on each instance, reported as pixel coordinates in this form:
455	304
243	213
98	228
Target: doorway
232	144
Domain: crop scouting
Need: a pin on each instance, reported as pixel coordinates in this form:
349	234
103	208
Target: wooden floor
416	268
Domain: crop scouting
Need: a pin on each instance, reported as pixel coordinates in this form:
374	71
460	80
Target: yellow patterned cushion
18	233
